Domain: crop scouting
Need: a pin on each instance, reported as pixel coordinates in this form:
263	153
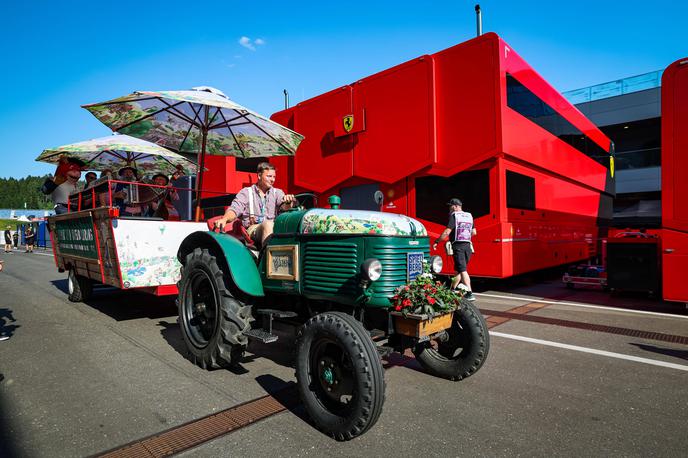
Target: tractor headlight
371	269
436	264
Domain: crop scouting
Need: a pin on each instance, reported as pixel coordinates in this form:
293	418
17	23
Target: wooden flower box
413	325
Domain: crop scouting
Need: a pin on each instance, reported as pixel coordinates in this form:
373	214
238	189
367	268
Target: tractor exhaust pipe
286	99
478	20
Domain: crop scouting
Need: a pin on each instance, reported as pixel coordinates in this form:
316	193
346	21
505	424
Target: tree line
14	193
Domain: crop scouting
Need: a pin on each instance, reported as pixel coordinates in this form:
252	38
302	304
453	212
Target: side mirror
379	198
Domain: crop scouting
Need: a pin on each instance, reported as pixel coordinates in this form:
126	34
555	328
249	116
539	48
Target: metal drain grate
204	429
588	326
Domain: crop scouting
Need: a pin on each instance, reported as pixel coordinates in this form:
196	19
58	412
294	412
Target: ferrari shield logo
348	122
611	165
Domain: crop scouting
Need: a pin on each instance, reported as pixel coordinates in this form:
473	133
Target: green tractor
334	272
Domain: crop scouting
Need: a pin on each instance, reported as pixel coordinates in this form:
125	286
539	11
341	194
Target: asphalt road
81	379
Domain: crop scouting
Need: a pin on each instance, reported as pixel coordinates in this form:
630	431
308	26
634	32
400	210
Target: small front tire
339	374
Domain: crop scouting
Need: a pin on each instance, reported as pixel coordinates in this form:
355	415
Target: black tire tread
355	337
235	317
83	287
456	370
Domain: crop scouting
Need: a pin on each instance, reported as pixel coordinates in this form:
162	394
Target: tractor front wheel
339	374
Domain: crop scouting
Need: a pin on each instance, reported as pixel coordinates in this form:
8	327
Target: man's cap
121	171
454	201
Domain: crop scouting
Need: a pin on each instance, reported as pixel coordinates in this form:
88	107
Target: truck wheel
210	318
339	374
79	287
463	350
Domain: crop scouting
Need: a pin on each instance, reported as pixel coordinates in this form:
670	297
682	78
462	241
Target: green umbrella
116	151
199	121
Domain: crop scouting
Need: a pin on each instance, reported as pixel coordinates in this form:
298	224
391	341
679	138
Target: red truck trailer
653	259
473	121
674	243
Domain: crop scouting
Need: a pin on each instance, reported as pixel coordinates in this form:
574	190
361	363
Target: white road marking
609	354
576	304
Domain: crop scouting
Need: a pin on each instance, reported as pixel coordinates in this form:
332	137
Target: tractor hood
346	222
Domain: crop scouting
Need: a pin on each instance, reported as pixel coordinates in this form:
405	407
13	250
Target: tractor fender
232	256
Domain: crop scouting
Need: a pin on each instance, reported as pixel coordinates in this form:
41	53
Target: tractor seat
236	230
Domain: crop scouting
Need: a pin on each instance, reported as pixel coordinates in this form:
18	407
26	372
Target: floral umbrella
115	151
199	121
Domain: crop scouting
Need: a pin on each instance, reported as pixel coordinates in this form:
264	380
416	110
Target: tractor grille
330	268
394	270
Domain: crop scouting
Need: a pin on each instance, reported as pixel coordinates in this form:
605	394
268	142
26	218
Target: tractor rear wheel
211	319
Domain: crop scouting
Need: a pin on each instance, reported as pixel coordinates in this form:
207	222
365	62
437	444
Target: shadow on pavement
286	393
681	354
7	330
125	305
62	285
172	334
8	436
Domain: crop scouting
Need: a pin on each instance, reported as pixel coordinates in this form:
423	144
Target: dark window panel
520	99
520	191
433	193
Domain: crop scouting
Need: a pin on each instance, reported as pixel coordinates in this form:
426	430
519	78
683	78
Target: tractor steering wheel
304	197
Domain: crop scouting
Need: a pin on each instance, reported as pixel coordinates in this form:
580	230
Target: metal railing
615	88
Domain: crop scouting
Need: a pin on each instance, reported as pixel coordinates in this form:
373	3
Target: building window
433	193
520	191
520	99
248	164
360	197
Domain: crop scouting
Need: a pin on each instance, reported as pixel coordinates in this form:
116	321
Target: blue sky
57	56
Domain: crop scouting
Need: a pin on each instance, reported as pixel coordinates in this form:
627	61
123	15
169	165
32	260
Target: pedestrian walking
460	231
30	237
8	239
15	239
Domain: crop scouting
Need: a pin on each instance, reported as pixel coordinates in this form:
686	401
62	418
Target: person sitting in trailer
163	206
124	194
87	200
61	194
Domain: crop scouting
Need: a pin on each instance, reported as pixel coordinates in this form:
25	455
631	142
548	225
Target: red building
473	121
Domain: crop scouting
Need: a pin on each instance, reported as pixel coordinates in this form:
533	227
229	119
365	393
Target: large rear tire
339	374
80	288
463	350
211	319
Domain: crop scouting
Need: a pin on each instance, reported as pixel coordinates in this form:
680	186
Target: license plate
414	265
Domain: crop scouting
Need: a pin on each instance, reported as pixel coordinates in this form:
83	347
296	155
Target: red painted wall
674	183
445	113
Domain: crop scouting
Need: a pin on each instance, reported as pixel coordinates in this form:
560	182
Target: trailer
96	245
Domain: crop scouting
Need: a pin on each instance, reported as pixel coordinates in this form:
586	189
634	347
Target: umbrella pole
199	175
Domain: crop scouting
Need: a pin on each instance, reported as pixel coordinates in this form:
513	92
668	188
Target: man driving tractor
258	205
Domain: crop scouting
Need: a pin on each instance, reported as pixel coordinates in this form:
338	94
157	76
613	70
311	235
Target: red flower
431	300
406	288
406	303
397	308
